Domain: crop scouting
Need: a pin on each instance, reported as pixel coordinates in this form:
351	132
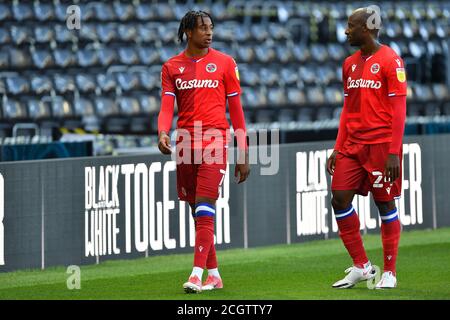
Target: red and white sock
204	233
390	236
348	223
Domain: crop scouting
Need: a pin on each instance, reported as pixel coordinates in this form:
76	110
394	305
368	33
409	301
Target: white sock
197	272
214	272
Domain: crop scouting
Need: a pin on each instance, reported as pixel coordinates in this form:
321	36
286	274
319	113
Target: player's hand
331	162
242	170
392	168
164	143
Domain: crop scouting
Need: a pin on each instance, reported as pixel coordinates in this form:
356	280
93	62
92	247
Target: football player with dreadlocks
202	80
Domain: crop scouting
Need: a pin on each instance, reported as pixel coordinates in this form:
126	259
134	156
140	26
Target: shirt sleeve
344	79
396	77
167	84
231	77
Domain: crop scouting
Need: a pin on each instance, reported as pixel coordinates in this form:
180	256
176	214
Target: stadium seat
64	57
63	35
145	12
43	11
64	83
284	54
107	32
103	11
168	32
61	15
324	113
42	58
253	97
286	115
269	76
167	52
129	106
22	11
85	83
88	33
249	76
21	34
245	54
432	109
305	115
413	109
301	53
148	81
127	33
315	95
17	85
106	82
276	96
5	37
128	56
148	104
106	107
296	97
5	12
43	34
264	116
38	110
87	57
14	110
259	32
123	11
41	85
61	108
287	77
128	81
446	109
148	55
265	53
107	56
319	53
84	107
164	11
4	60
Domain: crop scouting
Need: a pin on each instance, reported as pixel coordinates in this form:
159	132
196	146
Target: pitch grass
296	271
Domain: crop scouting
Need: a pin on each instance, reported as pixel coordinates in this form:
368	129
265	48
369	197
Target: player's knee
340	203
205	200
385	206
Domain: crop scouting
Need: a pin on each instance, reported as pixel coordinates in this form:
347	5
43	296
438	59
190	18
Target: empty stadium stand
104	77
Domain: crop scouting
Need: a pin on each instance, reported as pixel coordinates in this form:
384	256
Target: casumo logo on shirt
363	83
191	84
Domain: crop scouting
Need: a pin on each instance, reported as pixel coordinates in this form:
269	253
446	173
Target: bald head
368	17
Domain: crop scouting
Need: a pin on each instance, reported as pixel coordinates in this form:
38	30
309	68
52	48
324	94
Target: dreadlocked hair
189	21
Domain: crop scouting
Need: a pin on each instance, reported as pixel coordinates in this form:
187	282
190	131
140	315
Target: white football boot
355	275
388	281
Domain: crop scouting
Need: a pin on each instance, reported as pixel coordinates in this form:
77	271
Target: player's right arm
166	112
342	131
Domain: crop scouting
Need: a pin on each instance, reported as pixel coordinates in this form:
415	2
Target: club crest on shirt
353	67
237	73
211	67
375	68
401	75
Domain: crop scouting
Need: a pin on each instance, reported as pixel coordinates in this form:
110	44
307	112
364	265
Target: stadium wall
88	210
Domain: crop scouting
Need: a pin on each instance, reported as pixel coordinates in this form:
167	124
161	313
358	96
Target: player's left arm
233	91
396	80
